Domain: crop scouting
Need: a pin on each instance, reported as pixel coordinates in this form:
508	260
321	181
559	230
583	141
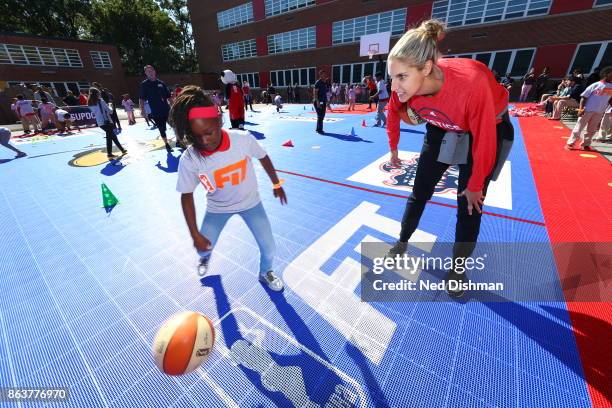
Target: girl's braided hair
191	96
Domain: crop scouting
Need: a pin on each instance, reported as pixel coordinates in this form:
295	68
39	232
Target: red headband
203	112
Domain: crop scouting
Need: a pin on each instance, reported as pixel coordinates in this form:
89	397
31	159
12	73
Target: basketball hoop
372	49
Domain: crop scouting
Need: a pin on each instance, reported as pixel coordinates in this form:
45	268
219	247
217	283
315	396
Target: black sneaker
398	249
168	148
203	266
453	283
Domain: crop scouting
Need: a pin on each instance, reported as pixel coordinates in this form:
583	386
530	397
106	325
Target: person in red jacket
467	122
235	99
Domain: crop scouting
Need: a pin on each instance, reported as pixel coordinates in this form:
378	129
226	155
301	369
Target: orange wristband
279	184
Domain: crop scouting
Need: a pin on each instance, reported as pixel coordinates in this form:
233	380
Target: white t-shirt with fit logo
227	175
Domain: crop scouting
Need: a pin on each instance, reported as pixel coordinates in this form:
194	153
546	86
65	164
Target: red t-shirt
469	101
82	99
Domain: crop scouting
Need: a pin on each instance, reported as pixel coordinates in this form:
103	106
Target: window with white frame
235	16
301	39
274	7
465	12
602	3
591	55
347	31
32	55
354	73
101	59
295	76
58	89
251	77
515	62
239	50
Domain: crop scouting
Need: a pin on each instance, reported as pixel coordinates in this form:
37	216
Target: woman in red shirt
463	105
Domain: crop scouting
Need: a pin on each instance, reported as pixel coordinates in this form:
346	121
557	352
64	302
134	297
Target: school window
592	55
251	77
515	62
354	73
58	89
235	16
286	77
288	41
465	12
31	55
347	31
239	50
101	59
274	7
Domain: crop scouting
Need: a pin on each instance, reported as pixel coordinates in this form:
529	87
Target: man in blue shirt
157	94
320	99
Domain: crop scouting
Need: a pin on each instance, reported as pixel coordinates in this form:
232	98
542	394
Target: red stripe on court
369	190
576	201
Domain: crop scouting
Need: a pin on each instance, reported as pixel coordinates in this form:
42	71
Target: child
5	138
46	110
278	101
147	116
102	113
221	160
26	113
217	100
63	121
351	98
128	105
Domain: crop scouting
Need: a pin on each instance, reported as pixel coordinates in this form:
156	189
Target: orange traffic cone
288	143
363	124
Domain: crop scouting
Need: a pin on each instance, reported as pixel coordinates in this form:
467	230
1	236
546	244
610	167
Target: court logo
404	176
234	174
379	173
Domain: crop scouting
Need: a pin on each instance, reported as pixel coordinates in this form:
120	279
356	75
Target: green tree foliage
144	31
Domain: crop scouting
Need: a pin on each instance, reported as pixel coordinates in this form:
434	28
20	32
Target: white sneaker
203	266
272	281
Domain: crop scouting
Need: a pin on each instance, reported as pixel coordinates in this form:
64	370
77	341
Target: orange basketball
183	343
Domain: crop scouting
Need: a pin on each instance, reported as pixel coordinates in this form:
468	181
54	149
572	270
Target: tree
143	33
178	11
56	18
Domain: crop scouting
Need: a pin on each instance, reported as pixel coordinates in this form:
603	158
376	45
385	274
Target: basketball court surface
84	290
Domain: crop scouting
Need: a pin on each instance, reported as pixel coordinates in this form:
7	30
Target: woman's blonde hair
418	45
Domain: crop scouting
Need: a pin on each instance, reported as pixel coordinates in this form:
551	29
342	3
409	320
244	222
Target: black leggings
160	122
428	174
115	118
111	138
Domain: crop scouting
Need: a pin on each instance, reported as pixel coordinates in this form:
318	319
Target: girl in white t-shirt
221	160
128	105
351	97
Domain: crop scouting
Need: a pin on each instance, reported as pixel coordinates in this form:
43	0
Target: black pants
237	123
320	115
111	138
428	174
115	118
160	122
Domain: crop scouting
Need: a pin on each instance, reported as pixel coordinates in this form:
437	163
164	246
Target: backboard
374	44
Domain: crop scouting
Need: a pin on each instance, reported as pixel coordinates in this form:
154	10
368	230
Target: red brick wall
113	79
566	6
324	35
207	81
418	13
556	57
